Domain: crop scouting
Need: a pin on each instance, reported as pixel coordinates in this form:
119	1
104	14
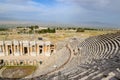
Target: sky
61	11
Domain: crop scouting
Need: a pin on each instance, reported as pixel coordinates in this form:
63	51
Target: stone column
21	49
48	48
17	49
30	50
14	49
2	48
37	49
44	49
6	50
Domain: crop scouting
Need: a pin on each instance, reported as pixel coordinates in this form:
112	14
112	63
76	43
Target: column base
2	54
47	54
33	54
16	54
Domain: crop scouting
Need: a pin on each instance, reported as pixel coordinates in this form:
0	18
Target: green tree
36	26
80	30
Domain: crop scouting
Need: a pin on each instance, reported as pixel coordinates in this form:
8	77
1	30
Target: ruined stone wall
31	48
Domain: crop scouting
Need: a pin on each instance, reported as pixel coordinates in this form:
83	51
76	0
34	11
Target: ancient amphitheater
94	58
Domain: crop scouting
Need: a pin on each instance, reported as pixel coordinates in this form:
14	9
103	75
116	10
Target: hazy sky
61	11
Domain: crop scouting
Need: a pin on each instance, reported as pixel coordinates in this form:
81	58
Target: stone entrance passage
52	51
40	49
25	50
9	50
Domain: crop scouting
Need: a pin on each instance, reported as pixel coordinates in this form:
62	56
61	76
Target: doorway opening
25	50
9	50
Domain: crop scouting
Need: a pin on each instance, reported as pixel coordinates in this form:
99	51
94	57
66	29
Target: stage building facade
27	48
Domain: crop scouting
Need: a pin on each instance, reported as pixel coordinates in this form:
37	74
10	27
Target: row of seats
101	56
97	59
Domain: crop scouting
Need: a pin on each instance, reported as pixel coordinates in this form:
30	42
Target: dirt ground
17	71
54	37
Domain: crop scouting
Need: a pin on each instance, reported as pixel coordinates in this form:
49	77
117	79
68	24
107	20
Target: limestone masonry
30	48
